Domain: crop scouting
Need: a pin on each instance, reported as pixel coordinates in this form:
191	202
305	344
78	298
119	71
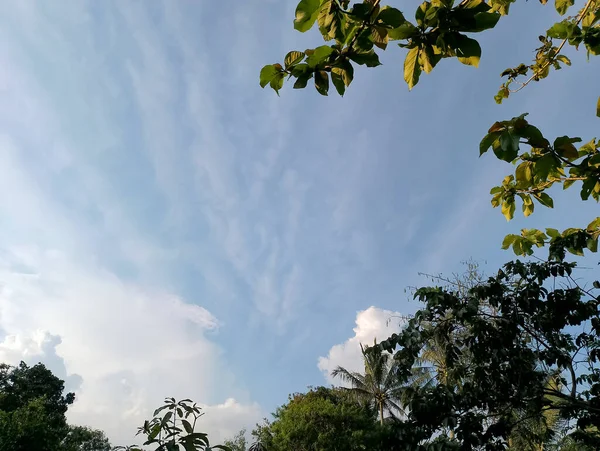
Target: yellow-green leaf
267	74
306	14
563	5
412	70
293	58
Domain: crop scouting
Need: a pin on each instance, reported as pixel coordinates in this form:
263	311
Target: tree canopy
32	413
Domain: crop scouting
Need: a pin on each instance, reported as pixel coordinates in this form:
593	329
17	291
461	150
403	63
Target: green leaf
346	71
319	55
561	30
405	31
487	142
322	82
508	209
563	5
391	17
544	199
306	14
564	59
277	82
428	59
302	80
564	146
412	70
338	82
369	59
598	108
468	51
509	146
267	74
293	58
484	21
509	240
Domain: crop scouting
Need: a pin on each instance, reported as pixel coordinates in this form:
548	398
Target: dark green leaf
322	82
338	82
487	142
404	31
369	59
306	14
302	80
485	21
391	17
544	199
468	51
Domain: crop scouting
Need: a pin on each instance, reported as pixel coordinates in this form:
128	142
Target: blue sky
160	211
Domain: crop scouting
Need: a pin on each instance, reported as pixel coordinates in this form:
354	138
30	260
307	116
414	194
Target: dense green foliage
32	413
238	442
322	419
516	348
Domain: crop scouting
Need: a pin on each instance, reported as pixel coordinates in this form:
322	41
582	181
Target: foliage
321	419
517	329
443	29
378	385
175	429
238	442
81	438
32	408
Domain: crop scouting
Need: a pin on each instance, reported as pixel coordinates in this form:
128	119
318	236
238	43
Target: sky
168	228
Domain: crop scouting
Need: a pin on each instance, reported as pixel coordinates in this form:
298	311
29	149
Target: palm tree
379	384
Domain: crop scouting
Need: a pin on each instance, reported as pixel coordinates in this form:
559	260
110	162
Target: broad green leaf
322	82
379	37
319	55
302	80
412	70
346	71
277	82
509	146
306	14
508	209
564	146
369	59
484	21
405	31
563	5
509	240
544	199
501	6
487	142
267	74
331	21
528	206
561	30
523	173
391	17
468	51
338	82
428	59
293	58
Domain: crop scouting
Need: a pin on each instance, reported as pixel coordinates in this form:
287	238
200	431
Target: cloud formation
371	324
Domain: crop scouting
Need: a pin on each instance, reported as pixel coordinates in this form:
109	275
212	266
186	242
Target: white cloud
121	348
372	323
